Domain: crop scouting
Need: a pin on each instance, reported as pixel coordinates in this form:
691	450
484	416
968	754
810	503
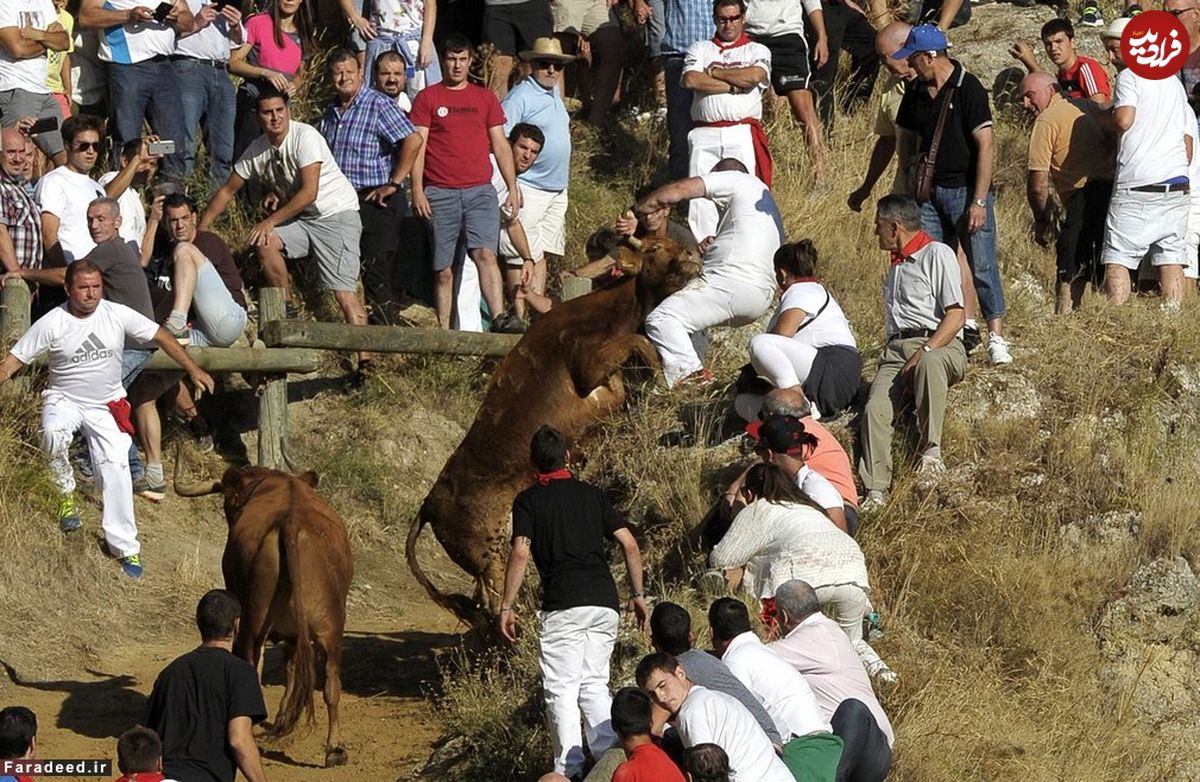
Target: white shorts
706	148
1146	224
1192	269
543	216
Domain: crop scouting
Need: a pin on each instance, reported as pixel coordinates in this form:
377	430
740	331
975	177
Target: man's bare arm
670	194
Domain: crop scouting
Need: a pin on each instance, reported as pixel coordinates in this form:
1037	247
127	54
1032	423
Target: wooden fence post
272	400
14	311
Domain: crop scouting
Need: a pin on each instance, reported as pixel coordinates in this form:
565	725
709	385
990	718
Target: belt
220	64
910	334
1181	187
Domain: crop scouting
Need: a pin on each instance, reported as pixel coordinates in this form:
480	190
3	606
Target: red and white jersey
743	53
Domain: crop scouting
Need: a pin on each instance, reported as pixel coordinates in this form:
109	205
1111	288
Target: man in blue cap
959	208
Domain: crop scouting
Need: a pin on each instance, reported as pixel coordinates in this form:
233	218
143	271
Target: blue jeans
679	116
944	217
207	94
143	89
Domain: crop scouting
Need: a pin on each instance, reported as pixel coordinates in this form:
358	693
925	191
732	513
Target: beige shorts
581	16
544	216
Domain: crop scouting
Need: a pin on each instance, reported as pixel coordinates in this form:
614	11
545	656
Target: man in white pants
727	75
563	523
83	339
737	283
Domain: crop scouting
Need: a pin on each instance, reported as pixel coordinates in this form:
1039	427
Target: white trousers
109	447
706	148
847	604
703	302
785	361
576	644
467	298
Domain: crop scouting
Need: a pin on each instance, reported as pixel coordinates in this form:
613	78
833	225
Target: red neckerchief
544	478
919	240
741	40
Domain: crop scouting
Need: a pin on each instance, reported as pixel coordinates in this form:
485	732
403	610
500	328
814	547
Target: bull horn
633	242
191	489
286	459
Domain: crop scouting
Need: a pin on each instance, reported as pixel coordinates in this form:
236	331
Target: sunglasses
728	19
553	65
84	146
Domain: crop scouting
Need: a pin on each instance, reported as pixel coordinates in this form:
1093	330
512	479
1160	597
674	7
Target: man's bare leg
1116	283
1170	282
355	313
274	265
491	285
188	261
1070	296
512	286
805	112
443	295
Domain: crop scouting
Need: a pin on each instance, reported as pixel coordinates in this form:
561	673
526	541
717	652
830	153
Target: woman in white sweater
779	536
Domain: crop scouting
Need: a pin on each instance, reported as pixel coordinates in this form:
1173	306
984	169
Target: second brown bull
565	372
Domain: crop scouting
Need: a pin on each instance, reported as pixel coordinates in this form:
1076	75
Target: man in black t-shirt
563	523
961	207
205	703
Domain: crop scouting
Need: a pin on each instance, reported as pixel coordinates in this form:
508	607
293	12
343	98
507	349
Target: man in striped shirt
375	146
20	217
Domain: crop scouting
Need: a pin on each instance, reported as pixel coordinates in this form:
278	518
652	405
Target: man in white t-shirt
1148	213
83	340
706	716
29	29
810	750
137	44
727	75
133	209
315	208
737	283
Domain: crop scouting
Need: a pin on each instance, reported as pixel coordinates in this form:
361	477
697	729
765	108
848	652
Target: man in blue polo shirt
375	146
536	101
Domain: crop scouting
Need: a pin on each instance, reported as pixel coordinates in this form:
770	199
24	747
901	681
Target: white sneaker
874	500
929	471
997	349
880	673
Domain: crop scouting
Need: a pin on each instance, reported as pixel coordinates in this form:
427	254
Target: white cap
1116	28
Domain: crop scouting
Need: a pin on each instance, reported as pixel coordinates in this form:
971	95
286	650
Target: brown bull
287	559
565	372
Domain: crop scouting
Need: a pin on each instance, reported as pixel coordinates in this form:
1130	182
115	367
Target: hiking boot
997	349
701	377
132	566
507	323
155	492
1091	16
68	514
182	335
875	500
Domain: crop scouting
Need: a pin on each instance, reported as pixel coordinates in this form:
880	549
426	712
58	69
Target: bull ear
310	477
629	261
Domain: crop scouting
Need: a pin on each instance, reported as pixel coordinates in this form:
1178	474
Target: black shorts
791	68
834	379
1081	237
514	27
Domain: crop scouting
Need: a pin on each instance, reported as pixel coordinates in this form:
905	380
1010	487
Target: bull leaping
565	372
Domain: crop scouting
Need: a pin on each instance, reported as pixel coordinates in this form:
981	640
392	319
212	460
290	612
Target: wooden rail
384	339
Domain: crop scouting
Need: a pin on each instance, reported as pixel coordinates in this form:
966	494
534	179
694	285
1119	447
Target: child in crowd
18	738
706	763
139	756
631	710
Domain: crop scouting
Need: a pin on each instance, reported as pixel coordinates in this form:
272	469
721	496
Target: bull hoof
336	757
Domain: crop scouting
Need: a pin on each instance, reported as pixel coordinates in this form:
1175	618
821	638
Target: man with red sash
727	75
923	356
563	522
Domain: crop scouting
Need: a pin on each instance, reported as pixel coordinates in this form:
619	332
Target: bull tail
302	674
461	606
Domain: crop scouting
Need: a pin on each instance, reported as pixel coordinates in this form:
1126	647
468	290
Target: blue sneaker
68	514
132	565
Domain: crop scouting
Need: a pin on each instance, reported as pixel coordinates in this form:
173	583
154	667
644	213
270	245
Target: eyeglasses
1180	11
728	19
84	146
553	65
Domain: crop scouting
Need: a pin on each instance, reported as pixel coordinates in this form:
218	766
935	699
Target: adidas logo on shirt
92	349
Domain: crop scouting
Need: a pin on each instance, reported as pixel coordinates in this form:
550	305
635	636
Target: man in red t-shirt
631	710
1078	76
452	179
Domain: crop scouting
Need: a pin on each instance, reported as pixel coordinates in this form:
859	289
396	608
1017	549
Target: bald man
1070	147
900	74
20	218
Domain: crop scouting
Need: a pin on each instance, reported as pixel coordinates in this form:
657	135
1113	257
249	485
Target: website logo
1154	45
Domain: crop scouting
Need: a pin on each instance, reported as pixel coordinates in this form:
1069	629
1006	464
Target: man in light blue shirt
537	101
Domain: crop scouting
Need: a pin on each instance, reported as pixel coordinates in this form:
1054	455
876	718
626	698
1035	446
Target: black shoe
971	338
508	323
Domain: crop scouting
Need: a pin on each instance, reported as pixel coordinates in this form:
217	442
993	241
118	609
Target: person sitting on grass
706	763
18	738
631	711
139	756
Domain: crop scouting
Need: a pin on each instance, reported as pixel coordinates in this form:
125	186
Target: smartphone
44	125
222	3
162	147
162	12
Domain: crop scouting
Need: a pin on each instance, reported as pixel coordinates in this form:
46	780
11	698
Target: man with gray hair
816	646
923	355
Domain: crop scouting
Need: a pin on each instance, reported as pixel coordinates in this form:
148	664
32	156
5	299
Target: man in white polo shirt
1148	213
810	750
727	75
29	29
201	63
706	716
137	45
737	283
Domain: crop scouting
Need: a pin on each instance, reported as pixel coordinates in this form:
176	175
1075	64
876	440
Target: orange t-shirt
829	459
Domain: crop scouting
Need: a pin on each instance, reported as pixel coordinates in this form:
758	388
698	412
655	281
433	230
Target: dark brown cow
565	372
287	559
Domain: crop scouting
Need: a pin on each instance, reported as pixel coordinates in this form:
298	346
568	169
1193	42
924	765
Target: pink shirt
820	650
260	34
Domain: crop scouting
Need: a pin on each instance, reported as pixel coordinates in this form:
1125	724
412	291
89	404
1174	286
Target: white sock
177	320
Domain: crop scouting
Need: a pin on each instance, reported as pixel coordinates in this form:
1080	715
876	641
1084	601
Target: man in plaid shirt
20	217
375	145
686	21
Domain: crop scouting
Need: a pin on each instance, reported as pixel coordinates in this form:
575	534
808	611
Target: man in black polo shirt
563	522
205	703
961	209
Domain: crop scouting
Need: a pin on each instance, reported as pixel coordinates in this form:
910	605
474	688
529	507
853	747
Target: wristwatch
926	348
980	202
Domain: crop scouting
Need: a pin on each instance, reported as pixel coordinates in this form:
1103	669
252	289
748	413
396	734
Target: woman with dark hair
808	342
780	536
278	41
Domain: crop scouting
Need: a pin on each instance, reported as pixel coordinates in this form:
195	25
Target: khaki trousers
934	374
